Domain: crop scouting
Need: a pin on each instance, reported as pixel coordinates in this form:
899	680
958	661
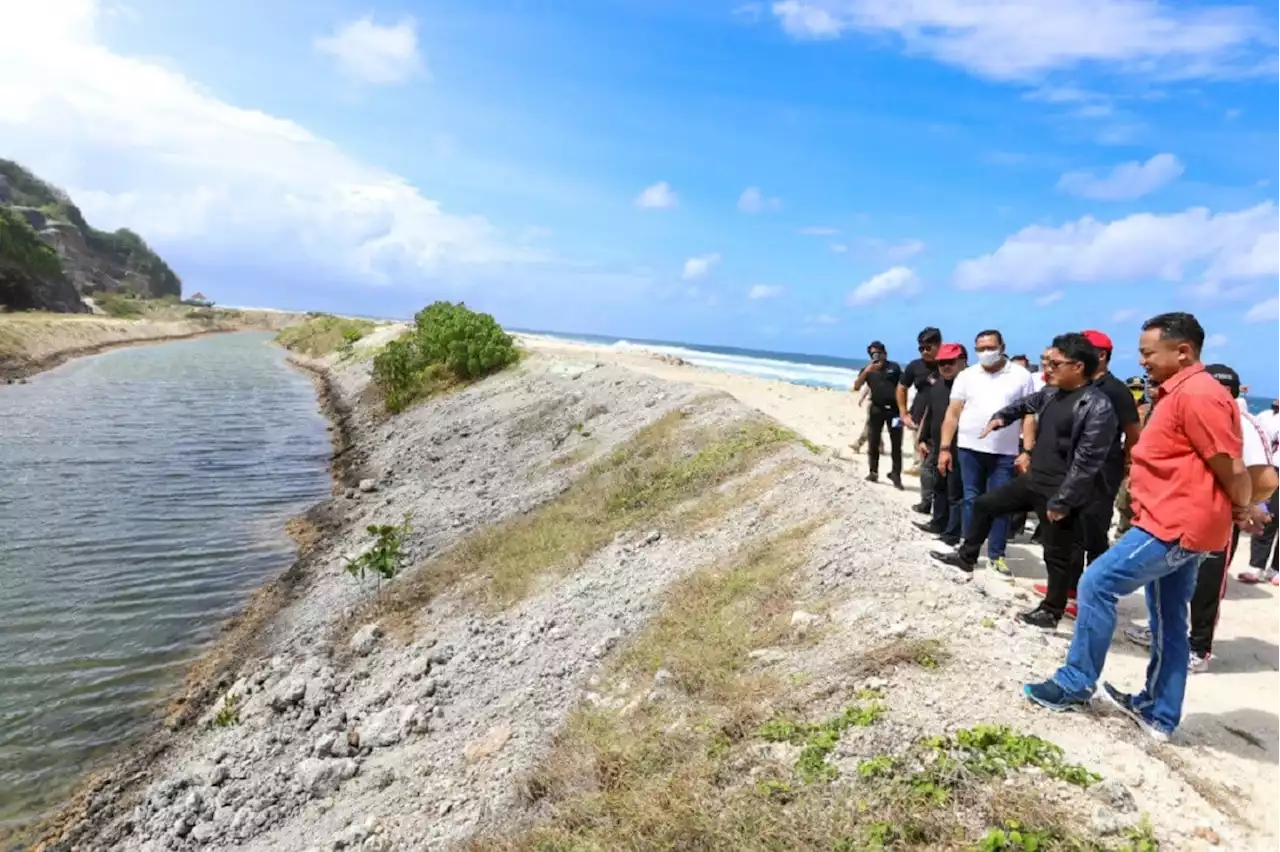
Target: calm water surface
143	494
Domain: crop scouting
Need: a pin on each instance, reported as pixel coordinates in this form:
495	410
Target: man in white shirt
1264	551
1269	422
986	462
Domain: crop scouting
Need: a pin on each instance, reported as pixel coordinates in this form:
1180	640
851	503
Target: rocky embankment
615	582
32	343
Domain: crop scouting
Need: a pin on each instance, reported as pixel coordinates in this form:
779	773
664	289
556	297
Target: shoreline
123	766
101	334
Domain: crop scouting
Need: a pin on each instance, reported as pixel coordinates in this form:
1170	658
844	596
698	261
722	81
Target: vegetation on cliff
448	344
120	257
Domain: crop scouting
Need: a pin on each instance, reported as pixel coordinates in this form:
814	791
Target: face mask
989	359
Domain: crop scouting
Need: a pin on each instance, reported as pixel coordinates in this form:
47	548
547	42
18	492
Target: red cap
1098	339
950	351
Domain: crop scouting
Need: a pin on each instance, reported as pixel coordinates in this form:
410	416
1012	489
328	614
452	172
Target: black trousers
1264	547
1211	583
1093	533
878	419
929	476
1059	537
948	498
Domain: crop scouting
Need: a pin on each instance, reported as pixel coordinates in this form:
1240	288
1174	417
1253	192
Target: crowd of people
1176	453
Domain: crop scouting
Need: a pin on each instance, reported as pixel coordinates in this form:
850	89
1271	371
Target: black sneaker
922	508
896	479
950	540
1039	618
927	526
873	477
953	559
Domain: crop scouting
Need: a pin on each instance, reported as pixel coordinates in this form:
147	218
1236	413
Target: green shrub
321	334
449	343
385	557
119	305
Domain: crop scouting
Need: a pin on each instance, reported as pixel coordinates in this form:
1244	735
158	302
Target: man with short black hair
985	459
882	375
921	374
1093	528
1058	477
1187	483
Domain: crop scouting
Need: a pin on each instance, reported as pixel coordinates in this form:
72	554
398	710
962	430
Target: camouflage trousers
1124	509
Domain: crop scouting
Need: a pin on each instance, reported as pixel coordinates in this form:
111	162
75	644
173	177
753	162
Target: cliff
50	257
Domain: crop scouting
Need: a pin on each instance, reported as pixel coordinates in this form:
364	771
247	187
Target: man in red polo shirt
1187	484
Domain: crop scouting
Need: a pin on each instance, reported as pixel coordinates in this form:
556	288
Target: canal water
143	497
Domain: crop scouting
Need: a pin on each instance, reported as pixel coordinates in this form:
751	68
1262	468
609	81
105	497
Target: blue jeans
1169	572
983	472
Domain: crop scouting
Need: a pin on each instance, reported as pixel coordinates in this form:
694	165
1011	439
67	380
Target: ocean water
144	497
814	370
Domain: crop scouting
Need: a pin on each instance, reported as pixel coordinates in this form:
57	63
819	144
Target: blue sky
800	175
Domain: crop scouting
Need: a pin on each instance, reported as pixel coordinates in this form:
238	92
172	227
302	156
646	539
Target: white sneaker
1198	663
1138	636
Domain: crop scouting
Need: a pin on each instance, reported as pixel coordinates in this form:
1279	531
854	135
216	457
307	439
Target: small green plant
1014	838
228	715
988	622
772	788
1141	837
350	337
385	557
811	446
820	739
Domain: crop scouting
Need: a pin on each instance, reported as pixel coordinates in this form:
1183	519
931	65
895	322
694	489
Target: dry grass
644	482
923	653
321	335
689	770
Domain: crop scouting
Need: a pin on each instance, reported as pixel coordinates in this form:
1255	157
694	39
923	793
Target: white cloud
373	53
818	231
1049	298
765	291
898	281
1139	247
660	196
1215	341
838	248
136	143
1127	180
821	319
1125	314
1266	311
1024	41
894	252
748	13
698	267
752	200
1213	290
807	20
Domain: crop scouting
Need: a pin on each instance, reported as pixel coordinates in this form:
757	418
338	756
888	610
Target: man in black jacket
1075	429
882	376
948	490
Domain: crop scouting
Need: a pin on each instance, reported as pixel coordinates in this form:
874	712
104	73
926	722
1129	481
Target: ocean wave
796	372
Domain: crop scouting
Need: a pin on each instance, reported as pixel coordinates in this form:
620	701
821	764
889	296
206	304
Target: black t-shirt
937	396
1051	456
920	375
1126	410
883	384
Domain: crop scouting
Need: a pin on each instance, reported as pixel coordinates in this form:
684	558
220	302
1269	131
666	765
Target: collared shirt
984	392
1172	489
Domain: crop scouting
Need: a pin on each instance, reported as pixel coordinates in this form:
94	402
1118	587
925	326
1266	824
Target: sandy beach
419	716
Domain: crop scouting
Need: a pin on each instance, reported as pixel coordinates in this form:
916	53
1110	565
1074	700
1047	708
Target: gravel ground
374	745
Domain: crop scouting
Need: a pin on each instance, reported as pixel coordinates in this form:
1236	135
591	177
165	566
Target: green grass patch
667	466
120	305
817	740
324	334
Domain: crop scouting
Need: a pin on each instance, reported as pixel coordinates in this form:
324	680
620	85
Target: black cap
1135	383
876	344
1226	376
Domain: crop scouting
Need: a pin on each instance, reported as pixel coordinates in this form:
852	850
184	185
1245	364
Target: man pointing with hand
1059	471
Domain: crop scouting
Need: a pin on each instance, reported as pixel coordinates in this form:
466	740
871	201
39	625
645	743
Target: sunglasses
1051	364
925	347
